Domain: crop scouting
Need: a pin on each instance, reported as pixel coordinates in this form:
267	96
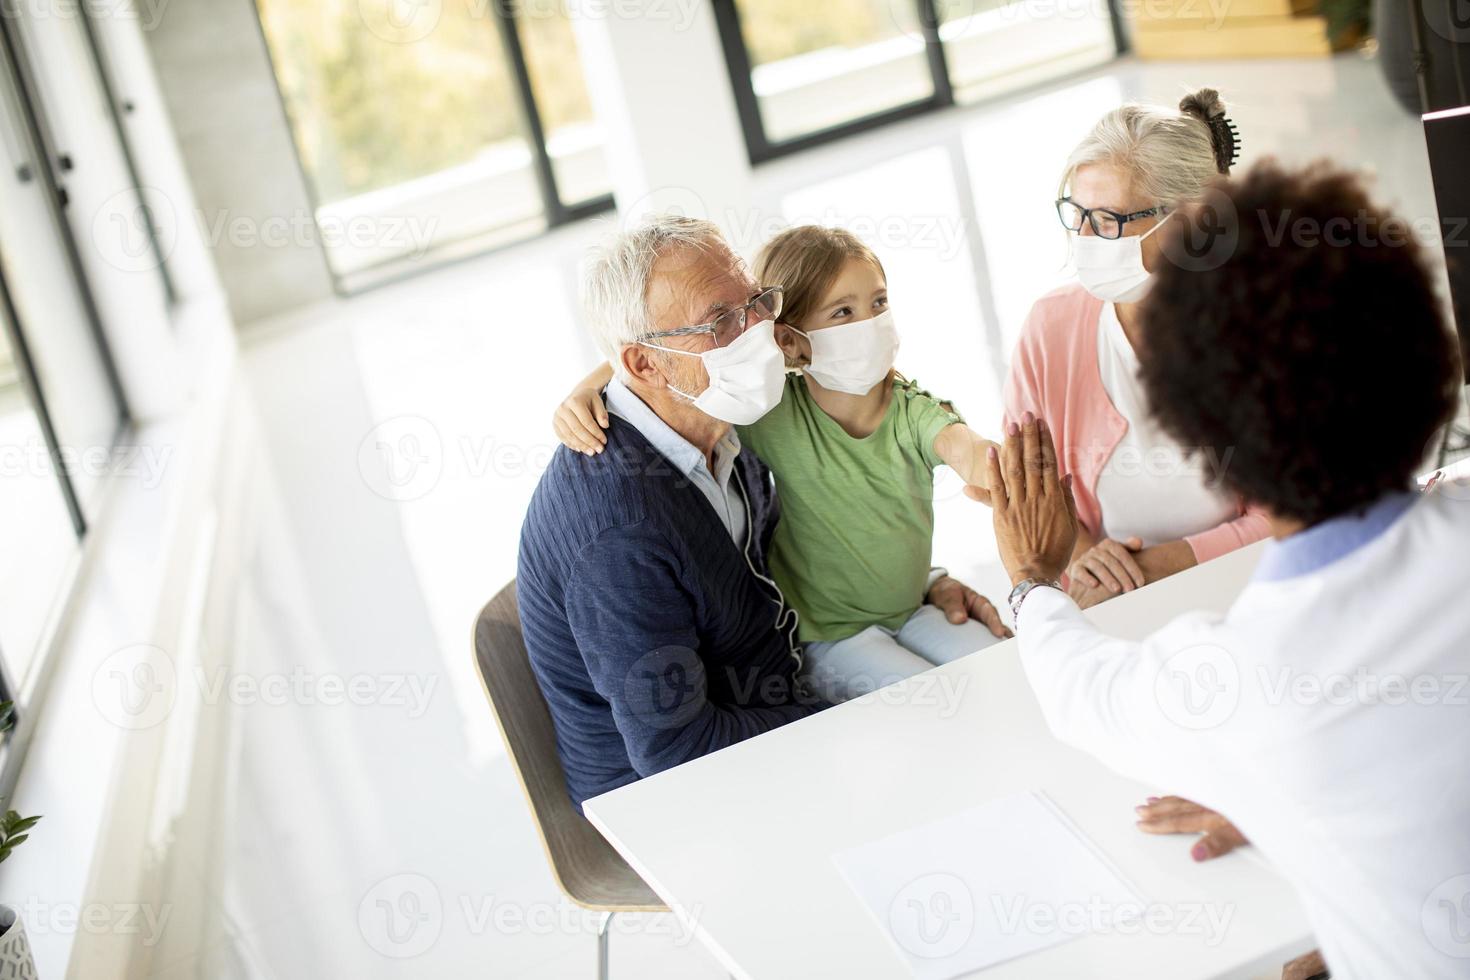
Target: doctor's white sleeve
1145	709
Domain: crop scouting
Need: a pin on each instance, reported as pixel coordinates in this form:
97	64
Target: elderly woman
1325	711
1146	510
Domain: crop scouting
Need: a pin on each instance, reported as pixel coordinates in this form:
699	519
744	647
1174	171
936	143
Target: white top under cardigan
1148	489
1326	713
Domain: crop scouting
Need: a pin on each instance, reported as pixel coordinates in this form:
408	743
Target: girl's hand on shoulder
580	420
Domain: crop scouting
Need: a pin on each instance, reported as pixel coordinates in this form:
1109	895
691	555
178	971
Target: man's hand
959	602
1308	966
1174	815
1035	515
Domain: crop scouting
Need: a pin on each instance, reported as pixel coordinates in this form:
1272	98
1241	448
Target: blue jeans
840	670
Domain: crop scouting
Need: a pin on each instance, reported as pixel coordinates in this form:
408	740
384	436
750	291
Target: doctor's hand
1175	815
959	602
1035	515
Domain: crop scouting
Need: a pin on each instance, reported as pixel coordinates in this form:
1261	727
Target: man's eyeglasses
729	325
1105	223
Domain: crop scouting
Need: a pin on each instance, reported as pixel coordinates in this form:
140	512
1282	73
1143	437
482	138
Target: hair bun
1206	106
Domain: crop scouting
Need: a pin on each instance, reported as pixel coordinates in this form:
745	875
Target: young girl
853	446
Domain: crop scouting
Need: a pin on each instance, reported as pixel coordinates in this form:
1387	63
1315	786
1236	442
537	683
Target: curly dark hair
1316	354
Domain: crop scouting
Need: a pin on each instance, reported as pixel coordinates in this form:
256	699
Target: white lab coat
1327	715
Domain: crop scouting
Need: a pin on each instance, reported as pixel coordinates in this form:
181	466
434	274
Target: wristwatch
1022	590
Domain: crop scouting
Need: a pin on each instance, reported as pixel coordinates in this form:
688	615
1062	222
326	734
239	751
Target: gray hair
616	273
1168	155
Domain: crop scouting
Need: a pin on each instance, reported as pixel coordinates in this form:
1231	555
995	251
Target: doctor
1327	712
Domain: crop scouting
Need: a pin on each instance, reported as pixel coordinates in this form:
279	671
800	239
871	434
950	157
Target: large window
61	403
805	73
435	128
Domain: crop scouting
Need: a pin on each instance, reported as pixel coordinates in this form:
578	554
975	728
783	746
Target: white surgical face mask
1112	268
745	379
853	357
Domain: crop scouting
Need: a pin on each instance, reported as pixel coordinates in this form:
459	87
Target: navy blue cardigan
653	640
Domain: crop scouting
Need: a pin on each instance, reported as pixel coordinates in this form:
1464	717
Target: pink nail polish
1028	418
1152	799
1199	852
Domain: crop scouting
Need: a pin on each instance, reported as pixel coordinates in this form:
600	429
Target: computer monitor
1447	134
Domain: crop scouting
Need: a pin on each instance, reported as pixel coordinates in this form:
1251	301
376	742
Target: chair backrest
584	864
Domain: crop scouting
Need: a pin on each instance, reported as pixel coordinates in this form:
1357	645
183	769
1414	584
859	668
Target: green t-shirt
857	515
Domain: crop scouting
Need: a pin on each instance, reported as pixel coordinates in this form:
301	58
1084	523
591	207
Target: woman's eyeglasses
729	325
1105	223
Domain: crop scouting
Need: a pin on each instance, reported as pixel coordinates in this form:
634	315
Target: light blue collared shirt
1322	544
718	487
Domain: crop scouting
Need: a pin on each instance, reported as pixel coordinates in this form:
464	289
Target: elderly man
652	622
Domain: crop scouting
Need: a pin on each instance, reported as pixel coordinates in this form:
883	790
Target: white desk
739	843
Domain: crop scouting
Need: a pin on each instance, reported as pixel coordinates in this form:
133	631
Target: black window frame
51	166
556	210
760	148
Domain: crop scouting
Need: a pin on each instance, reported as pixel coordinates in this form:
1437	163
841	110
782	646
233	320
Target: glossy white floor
404	431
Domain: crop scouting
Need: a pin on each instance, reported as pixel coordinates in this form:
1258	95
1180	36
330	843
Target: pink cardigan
1054	374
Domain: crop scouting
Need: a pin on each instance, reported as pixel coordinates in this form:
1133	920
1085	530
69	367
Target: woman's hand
1087	596
1175	815
1035	515
1110	565
580	420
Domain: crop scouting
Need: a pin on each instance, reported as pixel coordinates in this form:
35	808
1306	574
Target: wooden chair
585	866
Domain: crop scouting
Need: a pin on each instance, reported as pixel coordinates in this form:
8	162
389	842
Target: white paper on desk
989	884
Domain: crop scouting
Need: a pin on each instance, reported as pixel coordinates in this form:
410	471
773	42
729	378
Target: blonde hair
1168	155
804	261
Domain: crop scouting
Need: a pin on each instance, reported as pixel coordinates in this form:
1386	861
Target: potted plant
15	947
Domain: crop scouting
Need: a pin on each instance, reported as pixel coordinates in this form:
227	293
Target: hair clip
1227	141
